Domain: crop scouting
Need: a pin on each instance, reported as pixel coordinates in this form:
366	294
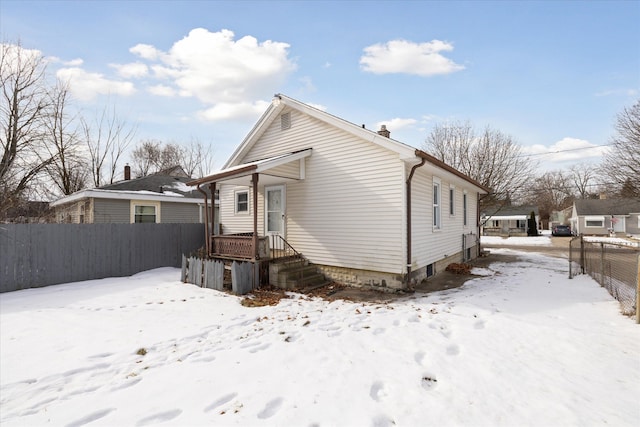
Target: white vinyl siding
429	246
348	212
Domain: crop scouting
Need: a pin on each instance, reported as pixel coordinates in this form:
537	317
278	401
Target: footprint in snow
377	391
160	417
271	408
479	324
419	357
94	416
453	350
220	401
383	421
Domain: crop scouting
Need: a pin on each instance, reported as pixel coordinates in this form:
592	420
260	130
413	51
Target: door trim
283	188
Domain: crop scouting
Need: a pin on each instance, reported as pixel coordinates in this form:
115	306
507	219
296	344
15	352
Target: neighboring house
162	197
508	220
365	209
606	216
561	217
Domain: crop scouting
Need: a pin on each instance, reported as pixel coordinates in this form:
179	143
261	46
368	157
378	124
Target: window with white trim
436	204
145	212
452	200
241	201
464	209
594	221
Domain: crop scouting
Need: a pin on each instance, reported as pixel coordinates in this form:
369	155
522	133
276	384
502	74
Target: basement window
430	270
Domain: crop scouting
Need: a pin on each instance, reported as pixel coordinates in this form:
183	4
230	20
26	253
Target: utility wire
565	151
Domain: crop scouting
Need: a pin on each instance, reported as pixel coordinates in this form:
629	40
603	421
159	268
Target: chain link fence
615	266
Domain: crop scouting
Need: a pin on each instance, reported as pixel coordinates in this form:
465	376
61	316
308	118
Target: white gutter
126	195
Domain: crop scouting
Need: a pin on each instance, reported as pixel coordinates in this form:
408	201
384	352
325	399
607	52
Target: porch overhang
273	170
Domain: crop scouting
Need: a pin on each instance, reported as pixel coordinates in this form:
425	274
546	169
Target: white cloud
145	51
618	92
402	56
396	124
235	110
226	74
86	86
162	90
131	70
567	149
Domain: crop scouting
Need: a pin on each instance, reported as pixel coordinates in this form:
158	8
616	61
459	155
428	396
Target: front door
275	208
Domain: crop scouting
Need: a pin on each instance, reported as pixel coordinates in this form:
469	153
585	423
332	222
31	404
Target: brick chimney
383	131
127	172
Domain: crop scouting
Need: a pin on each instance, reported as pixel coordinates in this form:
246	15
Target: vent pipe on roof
384	132
127	172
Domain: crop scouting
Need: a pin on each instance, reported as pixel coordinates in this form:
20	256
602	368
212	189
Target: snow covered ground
521	345
544	240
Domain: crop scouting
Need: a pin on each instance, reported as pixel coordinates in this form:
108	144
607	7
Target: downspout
408	187
207	240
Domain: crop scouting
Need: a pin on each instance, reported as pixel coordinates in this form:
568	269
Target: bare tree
145	157
24	107
583	177
152	156
492	158
550	192
197	160
107	139
621	164
68	172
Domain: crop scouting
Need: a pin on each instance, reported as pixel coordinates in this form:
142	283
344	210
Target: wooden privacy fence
36	255
209	273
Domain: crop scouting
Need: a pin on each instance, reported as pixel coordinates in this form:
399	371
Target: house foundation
391	282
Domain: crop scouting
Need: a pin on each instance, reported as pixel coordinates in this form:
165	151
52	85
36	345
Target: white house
508	220
366	210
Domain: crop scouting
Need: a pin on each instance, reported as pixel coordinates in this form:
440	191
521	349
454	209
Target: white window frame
135	203
437	204
236	195
599	219
452	200
465	209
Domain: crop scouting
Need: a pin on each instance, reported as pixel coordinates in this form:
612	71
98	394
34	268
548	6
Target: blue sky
551	74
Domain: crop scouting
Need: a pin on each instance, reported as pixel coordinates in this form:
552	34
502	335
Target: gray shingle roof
510	210
157	183
607	206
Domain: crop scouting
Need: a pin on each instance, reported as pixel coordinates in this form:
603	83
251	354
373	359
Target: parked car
561	230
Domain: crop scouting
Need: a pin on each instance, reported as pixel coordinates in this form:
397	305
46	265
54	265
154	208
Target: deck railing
238	246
